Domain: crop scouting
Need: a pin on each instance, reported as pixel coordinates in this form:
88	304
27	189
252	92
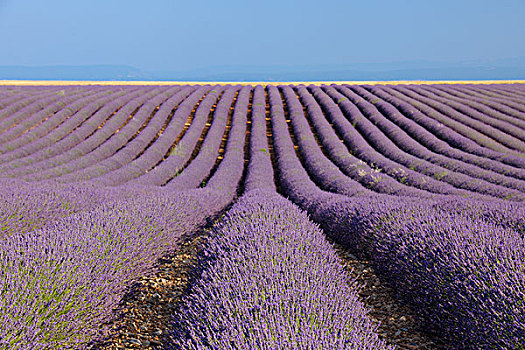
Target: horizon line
264	83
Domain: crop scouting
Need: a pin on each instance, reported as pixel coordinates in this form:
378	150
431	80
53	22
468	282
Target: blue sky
184	35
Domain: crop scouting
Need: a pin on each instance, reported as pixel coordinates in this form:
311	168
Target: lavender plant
272	282
60	283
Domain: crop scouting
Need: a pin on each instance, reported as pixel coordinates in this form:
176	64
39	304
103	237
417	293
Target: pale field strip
393	82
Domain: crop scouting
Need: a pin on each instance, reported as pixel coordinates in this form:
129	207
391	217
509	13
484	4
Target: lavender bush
58	284
272	282
462	272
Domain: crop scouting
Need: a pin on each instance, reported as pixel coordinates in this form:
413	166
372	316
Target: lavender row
28	105
291	174
489	137
502	93
498	122
442	116
495	106
102	159
200	167
9	98
459	270
21	146
396	111
60	296
346	220
8	103
26	207
503	96
90	135
160	146
339	216
119	167
449	170
375	148
259	172
30	118
434	121
272	282
320	169
100	145
355	168
516	92
503	107
54	136
166	168
228	175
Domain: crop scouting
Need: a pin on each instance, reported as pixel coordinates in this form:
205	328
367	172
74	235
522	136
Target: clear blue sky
179	35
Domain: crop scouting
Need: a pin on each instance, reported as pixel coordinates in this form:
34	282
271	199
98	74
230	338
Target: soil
146	310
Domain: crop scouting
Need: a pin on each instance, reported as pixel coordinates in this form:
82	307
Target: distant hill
505	69
91	72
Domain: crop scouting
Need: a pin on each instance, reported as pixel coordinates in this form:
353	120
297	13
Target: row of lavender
349	171
113	148
270	280
153	227
458	262
97	241
420	247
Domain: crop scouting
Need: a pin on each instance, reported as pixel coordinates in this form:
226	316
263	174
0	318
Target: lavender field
99	184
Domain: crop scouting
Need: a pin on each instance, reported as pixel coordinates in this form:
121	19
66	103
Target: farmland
424	182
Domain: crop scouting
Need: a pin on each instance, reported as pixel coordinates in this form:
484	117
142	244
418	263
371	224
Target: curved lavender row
461	174
9	100
230	170
501	95
494	93
34	105
429	140
104	122
346	220
443	117
33	121
101	145
260	172
480	112
28	119
106	157
53	137
273	282
23	144
431	120
6	114
501	103
161	146
513	111
507	92
495	139
515	92
353	167
321	170
460	272
382	153
59	297
394	143
162	172
290	172
201	166
11	97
